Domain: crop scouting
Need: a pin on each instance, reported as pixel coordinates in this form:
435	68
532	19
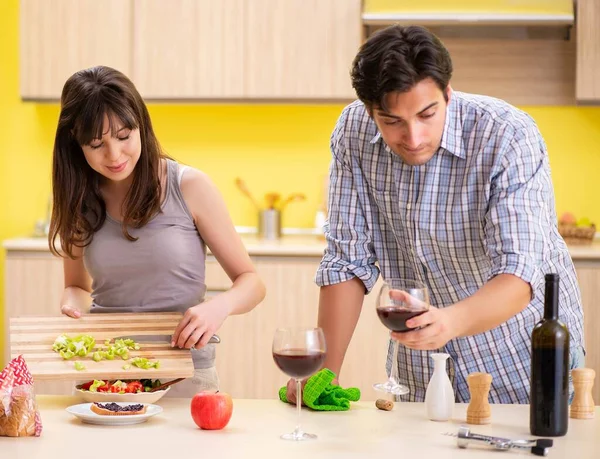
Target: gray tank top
163	271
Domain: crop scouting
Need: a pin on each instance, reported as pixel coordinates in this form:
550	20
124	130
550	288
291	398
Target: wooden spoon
244	189
272	199
291	198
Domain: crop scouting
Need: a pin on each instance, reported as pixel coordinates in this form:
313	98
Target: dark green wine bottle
549	407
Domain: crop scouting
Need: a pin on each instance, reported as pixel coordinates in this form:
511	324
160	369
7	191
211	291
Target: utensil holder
269	224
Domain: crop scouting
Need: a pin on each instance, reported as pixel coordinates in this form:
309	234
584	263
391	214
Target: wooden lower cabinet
244	361
246	369
588	274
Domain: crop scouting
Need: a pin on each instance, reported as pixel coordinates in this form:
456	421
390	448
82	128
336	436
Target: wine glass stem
298	402
394	369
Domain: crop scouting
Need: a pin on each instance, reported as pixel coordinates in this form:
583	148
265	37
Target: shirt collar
452	134
376	138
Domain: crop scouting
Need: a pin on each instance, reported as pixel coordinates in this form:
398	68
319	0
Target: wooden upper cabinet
588	51
188	49
195	49
59	38
301	49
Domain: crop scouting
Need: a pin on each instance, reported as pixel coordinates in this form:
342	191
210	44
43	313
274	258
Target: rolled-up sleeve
349	251
520	216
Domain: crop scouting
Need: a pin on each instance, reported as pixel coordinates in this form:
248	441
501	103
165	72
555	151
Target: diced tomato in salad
87	385
134	387
104	388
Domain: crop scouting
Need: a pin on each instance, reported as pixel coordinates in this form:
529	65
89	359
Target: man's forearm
339	310
493	304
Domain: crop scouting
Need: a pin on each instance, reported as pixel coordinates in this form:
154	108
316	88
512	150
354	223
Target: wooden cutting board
33	337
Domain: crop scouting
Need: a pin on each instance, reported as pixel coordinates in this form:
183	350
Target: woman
133	224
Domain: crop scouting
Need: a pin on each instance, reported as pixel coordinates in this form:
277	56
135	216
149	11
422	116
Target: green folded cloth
319	394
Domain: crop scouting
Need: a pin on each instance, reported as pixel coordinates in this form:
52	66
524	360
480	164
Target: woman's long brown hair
78	209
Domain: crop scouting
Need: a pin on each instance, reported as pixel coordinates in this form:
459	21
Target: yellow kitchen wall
281	148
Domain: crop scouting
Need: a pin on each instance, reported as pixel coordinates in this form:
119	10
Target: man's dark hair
397	58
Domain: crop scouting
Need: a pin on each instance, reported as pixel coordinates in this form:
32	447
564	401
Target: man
453	190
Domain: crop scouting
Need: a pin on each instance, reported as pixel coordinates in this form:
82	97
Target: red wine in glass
398	301
299	363
394	318
299	353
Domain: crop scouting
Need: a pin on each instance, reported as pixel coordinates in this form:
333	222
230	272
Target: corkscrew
538	447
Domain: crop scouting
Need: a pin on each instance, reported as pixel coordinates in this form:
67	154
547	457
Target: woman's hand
199	324
70	311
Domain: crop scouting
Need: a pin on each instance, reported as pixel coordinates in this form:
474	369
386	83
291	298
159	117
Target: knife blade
153	339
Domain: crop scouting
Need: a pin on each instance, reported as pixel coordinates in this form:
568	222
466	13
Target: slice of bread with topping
114	409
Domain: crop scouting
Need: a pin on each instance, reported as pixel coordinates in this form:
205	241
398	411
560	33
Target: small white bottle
439	398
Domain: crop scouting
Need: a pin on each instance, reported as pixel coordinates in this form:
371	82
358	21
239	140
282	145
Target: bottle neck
439	362
551	300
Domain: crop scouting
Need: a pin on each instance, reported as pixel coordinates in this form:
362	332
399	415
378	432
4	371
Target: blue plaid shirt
483	205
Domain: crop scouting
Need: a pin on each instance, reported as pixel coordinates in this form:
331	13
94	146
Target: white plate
83	412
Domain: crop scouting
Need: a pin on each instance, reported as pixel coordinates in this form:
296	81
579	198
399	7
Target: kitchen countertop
254	429
290	245
300	245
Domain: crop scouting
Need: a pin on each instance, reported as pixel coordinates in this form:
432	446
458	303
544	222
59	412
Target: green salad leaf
95	385
144	363
68	347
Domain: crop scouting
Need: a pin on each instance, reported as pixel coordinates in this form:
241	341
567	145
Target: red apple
211	410
567	219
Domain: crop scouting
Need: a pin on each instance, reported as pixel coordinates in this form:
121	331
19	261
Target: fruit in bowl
576	231
135	391
584	223
567	219
211	410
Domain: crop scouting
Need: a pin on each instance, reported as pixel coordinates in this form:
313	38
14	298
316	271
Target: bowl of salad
126	390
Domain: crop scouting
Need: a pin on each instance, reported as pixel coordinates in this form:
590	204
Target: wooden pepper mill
479	411
582	406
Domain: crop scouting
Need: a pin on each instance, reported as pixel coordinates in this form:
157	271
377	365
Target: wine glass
299	353
399	300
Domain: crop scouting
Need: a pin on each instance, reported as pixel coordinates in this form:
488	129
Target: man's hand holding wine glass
434	329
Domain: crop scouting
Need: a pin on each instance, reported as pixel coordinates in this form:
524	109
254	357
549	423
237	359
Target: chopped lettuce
95	385
66	355
144	363
61	343
68	347
82	345
120	348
